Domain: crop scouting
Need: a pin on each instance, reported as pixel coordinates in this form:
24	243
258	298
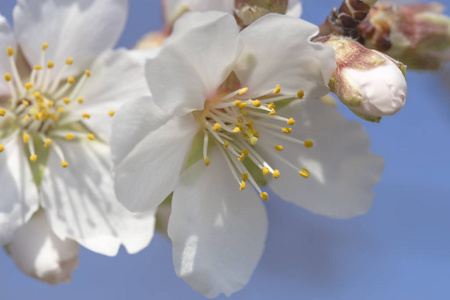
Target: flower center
241	126
39	106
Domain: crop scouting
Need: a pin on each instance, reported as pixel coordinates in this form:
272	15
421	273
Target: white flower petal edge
80	203
217	233
20	197
195	61
171	8
294	8
6	39
117	76
144	135
273	55
39	253
342	168
65	26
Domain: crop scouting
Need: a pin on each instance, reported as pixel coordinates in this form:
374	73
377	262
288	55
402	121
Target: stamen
26	138
111	113
80	84
91	136
47	143
300	94
86	116
80	100
264	196
304	173
276	174
277	89
309	144
50	66
2	148
14	71
2	112
59	76
60	154
205	148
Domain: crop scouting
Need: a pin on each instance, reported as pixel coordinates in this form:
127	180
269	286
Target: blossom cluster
222	110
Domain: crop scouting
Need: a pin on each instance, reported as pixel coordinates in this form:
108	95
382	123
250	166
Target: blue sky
399	250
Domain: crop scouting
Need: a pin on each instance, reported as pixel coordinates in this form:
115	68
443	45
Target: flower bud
248	11
416	34
369	83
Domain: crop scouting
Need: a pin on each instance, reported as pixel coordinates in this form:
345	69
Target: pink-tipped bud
371	84
416	34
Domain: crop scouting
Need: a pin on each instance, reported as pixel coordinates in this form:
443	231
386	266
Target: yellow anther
26	138
60	110
64	164
87	73
244	152
217	127
69	61
207	161
304	173
80	100
272	112
2	148
286	130
279	148
276	174
237	102
257	103
241	158
253	140
37	68
70	80
244	176
237	129
29	86
265	171
250	123
309	144
226	144
240	120
264	196
37	94
33	158
25	103
8	77
243	105
111	113
242	186
300	94
244	112
2	112
50	64
271	106
91	136
69	136
38	116
243	91
50	103
10	51
255	133
54	117
47	143
26	118
277	89
86	116
291	122
44	46
66	100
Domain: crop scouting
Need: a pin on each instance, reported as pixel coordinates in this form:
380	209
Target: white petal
294	8
149	151
81	29
217	231
80	204
277	50
39	253
342	168
6	40
194	61
20	197
173	8
116	77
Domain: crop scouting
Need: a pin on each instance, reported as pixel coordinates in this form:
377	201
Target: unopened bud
369	83
248	11
416	34
151	40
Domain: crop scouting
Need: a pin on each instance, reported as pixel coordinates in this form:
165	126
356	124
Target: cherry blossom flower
225	118
63	83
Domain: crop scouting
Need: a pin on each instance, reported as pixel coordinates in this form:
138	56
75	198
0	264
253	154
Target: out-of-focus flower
218	128
369	83
62	84
245	11
416	34
39	253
